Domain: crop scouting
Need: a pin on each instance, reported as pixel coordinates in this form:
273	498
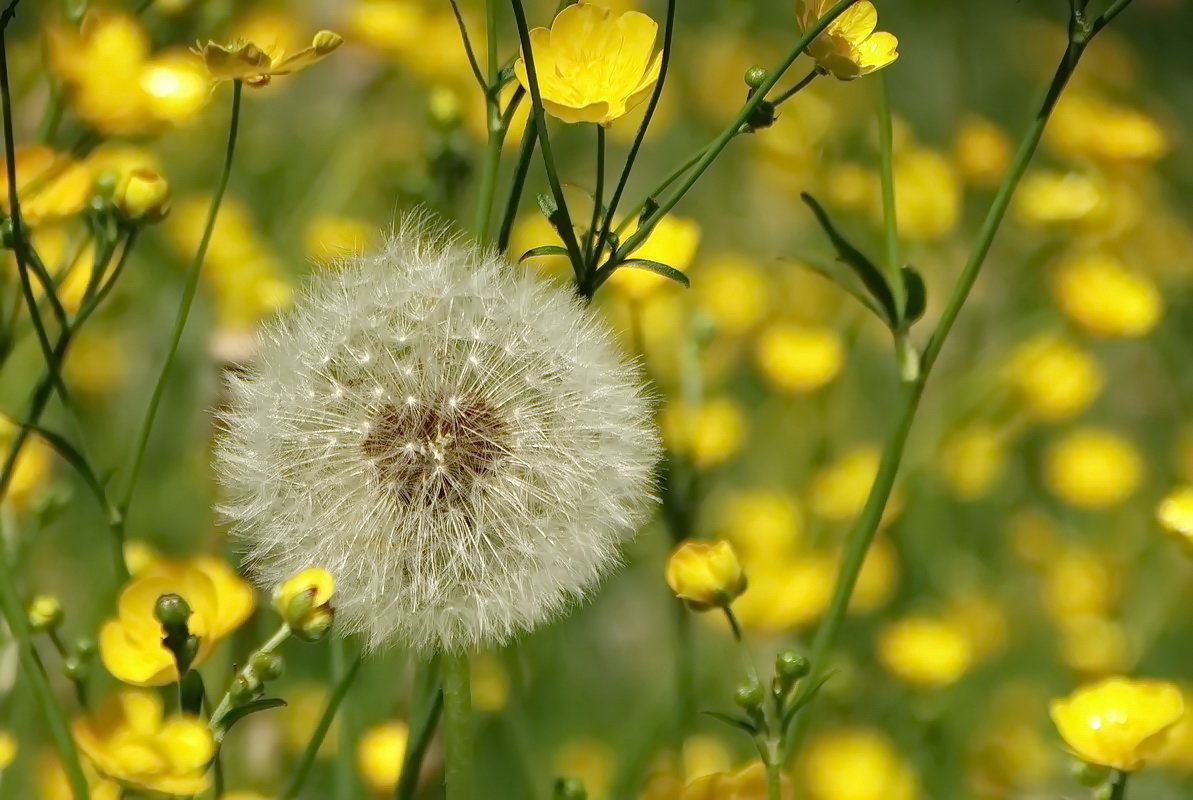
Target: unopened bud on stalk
316	625
790	666
74	668
755	77
143	196
267	666
570	789
45	613
1087	774
172	611
749	695
705	574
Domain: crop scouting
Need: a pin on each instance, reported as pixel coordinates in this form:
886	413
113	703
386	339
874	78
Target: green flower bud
85	646
316	624
790	666
267	666
45	613
749	695
570	789
74	668
1091	775
755	76
172	611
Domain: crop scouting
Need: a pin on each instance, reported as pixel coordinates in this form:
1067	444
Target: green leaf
804	700
846	283
659	269
252	707
648	208
746	726
869	274
917	295
544	250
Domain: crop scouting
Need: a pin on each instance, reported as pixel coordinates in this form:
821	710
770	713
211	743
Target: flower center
428	452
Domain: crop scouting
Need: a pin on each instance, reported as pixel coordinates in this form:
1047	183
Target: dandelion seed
461	447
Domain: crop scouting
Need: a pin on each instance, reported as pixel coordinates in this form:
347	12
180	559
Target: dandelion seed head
460	445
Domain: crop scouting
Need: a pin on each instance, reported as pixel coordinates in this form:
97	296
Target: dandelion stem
890	219
863	531
714	149
457	724
39	683
320	733
184	308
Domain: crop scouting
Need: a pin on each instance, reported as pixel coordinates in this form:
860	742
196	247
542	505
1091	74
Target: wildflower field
621	400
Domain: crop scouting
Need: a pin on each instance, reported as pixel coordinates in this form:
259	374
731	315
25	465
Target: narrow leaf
544	250
870	276
803	701
241	711
734	721
659	269
846	284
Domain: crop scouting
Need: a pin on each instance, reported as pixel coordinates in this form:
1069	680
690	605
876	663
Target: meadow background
1022	554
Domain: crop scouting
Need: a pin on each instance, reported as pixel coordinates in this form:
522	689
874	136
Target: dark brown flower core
428	452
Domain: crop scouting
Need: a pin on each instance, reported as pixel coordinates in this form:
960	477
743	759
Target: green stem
39	683
307	760
889	216
774	781
468	51
227	701
431	709
595	242
714	149
1118	787
517	184
457	725
812	75
184	308
864	529
344	783
539	120
489	167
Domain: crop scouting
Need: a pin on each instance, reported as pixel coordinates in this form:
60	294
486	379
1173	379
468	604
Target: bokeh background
1022	554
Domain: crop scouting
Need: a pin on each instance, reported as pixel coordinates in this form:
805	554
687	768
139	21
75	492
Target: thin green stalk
595	242
517	184
39	683
457	726
468	51
344	783
866	526
247	672
309	753
798	87
539	119
431	708
890	219
184	308
1118	787
489	166
714	149
640	136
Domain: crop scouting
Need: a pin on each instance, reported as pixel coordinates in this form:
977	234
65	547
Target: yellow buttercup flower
982	151
593	65
924	651
1101	294
31	472
242	60
379	755
973	459
130	741
839	490
786	591
53	784
143	194
849	47
1175	511
1054	378
387	25
705	574
856	764
709	435
761	522
1050	198
799	358
733	291
928	194
304	602
1093	468
130	644
50	185
1083	125
1118	722
8	749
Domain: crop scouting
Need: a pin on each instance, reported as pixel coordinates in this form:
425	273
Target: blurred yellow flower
242	60
878	578
928	194
704	755
851	186
1175	512
50	185
379	755
673	242
786	592
1092	468
733	291
973	459
1049	198
590	760
97	361
981	151
705	574
31	472
748	783
856	764
849	47
924	651
1101	294
1085	126
387	25
1079	581
330	238
8	749
593	64
1094	645
839	490
709	435
1054	378
799	358
131	741
175	86
53	784
130	644
762	523
1118	722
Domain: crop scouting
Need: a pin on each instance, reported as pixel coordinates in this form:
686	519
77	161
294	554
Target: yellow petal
324	43
132	661
187	743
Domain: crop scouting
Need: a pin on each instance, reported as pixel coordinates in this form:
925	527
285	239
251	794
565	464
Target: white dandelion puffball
462	446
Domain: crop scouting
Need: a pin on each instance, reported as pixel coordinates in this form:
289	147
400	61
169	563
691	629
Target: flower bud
86	646
1091	775
755	76
172	611
326	41
570	789
106	183
443	108
45	613
303	600
791	666
749	695
143	196
705	574
244	686
267	666
74	668
316	625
